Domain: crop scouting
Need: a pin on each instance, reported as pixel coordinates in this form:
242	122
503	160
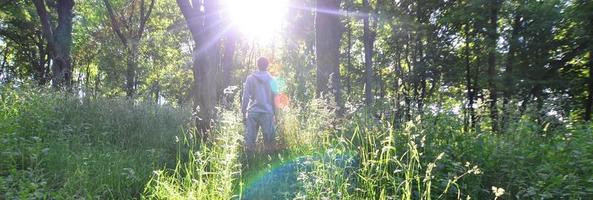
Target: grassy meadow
59	146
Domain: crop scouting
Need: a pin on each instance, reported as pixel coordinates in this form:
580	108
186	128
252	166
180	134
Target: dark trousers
253	122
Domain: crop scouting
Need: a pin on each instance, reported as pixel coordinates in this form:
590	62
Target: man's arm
245	98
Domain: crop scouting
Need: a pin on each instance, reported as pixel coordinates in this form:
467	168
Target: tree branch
192	14
46	27
115	24
144	18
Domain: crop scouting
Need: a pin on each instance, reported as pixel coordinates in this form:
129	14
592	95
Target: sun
256	19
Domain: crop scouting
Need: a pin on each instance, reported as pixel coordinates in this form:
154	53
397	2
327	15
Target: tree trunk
227	60
589	102
397	110
131	65
476	81
368	54
299	71
421	70
4	53
349	60
198	16
509	80
470	93
59	40
41	71
492	38
327	41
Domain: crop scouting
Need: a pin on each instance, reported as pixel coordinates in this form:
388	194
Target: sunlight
256	19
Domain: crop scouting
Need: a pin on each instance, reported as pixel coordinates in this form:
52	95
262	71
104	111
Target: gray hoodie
258	96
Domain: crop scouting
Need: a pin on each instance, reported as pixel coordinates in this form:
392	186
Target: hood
262	76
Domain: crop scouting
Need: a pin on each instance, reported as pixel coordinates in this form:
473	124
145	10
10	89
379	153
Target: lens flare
281	179
278	86
282	101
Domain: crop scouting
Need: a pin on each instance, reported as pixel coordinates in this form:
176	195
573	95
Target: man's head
262	63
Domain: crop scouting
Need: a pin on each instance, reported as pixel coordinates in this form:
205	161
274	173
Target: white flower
497	191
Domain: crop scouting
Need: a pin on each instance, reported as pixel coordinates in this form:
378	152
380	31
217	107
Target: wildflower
497	191
476	170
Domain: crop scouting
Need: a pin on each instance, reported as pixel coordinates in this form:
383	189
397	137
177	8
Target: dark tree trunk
229	45
349	60
3	65
368	54
88	77
468	78
396	85
131	65
491	39
227	59
589	102
41	70
327	41
59	40
508	77
205	56
408	85
476	87
421	70
300	88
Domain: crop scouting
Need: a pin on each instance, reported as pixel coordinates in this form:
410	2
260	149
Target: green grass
57	146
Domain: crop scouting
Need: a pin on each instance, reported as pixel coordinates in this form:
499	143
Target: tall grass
210	171
363	157
58	146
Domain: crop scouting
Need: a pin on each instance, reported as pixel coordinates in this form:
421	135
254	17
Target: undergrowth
61	146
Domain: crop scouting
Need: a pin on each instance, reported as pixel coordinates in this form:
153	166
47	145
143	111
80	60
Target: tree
201	19
59	39
130	36
369	39
585	18
230	41
492	38
328	33
508	73
23	48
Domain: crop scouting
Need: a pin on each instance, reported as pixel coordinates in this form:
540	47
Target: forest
373	99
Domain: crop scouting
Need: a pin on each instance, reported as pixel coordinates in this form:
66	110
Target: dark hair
262	63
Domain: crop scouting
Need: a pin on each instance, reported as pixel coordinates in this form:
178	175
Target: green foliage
210	170
56	145
422	139
368	158
60	146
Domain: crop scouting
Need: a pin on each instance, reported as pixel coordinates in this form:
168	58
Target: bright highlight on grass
256	19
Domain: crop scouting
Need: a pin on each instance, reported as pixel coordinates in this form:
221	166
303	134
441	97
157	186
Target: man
258	107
